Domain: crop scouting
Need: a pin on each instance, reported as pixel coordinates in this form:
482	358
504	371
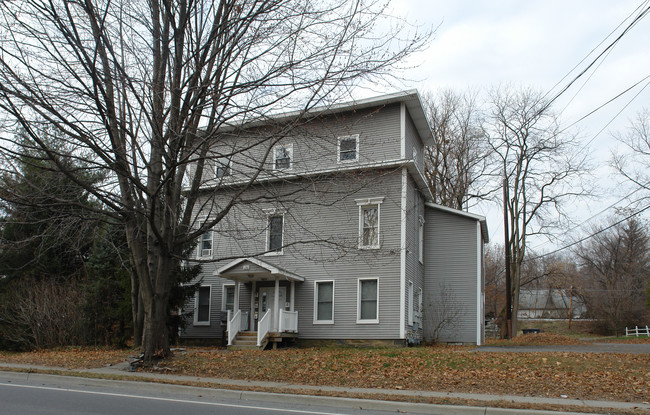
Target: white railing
232	323
288	321
636	331
264	326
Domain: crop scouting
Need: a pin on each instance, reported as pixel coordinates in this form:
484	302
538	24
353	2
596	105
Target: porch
270	317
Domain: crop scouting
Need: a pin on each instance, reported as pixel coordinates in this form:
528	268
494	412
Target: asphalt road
37	394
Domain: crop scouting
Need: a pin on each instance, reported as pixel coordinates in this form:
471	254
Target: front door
267	300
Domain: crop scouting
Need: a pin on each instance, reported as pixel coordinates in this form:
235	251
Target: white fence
636	331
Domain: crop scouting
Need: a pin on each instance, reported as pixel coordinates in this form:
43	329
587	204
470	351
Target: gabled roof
410	98
261	268
468	215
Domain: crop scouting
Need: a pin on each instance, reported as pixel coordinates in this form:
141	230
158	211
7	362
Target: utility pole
507	252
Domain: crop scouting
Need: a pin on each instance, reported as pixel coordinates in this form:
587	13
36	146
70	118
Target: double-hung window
324	302
202	300
412	307
368	301
222	168
348	148
228	298
205	244
275	233
283	157
418	313
369	222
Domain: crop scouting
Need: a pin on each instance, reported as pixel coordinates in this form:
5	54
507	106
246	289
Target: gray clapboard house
337	239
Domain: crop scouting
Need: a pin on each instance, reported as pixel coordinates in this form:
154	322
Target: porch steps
246	340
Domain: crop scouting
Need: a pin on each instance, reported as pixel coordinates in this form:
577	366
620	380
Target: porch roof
253	269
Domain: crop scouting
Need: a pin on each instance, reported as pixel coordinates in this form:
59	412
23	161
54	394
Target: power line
590	235
596	47
597	58
609	102
597	214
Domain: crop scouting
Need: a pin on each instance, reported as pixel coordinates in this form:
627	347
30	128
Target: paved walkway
298	389
579	348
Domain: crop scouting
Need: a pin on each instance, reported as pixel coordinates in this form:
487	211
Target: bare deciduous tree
542	166
494	281
144	89
634	162
615	273
458	159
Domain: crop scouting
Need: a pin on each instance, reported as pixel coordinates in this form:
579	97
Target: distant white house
549	303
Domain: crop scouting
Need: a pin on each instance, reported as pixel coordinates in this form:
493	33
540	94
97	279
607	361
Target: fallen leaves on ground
536	339
69	357
623	377
599	376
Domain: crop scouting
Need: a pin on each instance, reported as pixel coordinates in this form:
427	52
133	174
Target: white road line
153	398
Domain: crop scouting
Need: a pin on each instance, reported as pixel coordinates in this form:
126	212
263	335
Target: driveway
579	348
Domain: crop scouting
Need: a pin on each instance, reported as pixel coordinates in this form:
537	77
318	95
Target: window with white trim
205	244
222	168
283	157
421	239
418	314
368	301
411	298
275	233
324	302
228	297
369	222
348	148
202	304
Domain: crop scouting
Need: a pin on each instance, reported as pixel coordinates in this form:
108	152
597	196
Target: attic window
348	148
282	157
223	167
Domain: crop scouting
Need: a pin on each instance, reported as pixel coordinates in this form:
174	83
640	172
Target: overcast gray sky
480	44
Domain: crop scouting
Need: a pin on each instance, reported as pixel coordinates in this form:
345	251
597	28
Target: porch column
236	304
251	316
293	294
276	305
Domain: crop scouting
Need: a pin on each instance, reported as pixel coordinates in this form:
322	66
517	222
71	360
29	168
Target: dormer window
222	168
283	157
348	148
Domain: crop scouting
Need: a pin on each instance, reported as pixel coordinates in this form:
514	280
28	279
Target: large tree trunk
516	285
137	311
155	339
